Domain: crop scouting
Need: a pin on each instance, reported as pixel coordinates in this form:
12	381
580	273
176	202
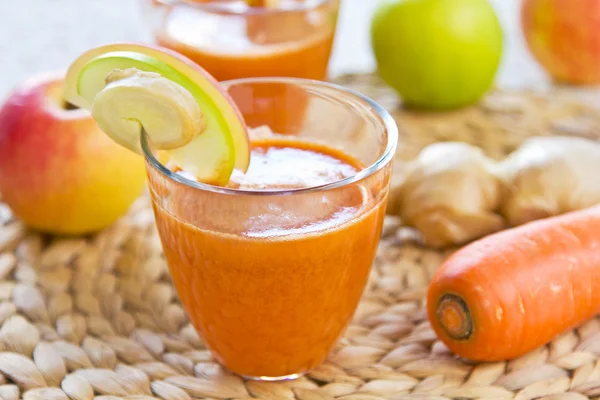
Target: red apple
564	36
58	171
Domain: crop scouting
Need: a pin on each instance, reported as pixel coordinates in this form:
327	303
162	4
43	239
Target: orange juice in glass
269	196
231	39
271	267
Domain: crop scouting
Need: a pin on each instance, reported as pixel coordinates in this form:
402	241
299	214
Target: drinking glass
270	279
232	40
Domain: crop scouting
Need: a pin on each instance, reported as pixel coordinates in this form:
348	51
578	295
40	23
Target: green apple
211	155
437	54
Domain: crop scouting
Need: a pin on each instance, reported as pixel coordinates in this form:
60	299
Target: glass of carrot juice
232	39
271	267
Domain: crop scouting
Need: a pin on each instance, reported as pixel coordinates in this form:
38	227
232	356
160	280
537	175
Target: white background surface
40	35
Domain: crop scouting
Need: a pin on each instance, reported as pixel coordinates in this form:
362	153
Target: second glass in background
232	40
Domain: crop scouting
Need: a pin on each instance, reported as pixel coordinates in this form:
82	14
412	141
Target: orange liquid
252	46
271	292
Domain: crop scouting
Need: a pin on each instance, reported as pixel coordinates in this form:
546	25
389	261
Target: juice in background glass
232	40
271	268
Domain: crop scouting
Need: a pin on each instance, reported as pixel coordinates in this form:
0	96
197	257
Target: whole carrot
513	291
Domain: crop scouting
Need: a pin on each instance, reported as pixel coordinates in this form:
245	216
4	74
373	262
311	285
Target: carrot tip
454	317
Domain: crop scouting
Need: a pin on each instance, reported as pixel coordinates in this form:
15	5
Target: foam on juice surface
287	165
283	168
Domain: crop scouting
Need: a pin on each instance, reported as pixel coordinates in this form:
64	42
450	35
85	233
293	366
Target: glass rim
388	123
222	8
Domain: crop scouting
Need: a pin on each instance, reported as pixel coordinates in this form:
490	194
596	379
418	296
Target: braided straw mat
97	317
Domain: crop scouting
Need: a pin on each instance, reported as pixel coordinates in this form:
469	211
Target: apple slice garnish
156	88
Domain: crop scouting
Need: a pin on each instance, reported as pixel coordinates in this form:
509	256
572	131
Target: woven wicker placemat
97	316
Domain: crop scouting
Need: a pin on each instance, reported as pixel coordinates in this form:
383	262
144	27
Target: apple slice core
133	100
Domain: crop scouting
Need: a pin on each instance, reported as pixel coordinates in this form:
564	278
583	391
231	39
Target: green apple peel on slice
219	145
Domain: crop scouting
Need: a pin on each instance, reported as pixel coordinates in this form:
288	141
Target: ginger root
549	176
449	194
452	193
